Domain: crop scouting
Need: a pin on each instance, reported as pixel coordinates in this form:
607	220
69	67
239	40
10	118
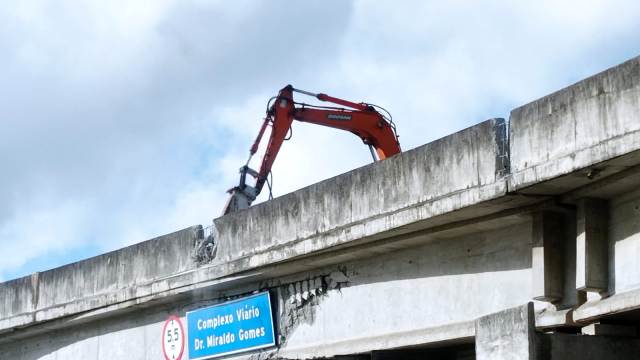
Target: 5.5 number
176	335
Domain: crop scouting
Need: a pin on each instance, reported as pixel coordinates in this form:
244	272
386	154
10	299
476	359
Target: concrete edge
592	310
366	229
581	159
554	318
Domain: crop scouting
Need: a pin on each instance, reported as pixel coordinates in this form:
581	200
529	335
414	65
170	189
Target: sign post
173	338
231	327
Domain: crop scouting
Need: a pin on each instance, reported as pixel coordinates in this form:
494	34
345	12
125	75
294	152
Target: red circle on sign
168	322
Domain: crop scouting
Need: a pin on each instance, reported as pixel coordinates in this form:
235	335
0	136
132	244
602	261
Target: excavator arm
361	119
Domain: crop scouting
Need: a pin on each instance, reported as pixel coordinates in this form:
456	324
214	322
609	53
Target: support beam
592	254
548	255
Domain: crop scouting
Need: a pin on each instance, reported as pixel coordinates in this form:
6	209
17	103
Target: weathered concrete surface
117	337
314	324
17	300
576	128
129	273
440	177
507	335
618	303
435	274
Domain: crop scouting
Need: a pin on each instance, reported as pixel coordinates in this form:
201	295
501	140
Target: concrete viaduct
515	239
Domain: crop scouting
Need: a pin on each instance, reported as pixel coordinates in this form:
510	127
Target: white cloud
109	105
39	229
441	66
124	120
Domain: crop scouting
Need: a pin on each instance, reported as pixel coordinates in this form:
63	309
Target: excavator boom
361	119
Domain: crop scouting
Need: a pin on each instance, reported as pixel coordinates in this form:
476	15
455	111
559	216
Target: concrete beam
575	128
107	279
592	249
618	303
549	319
507	335
547	255
404	191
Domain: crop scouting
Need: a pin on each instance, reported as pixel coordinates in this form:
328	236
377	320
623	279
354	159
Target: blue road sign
231	327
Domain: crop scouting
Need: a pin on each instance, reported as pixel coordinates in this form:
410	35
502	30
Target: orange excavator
364	120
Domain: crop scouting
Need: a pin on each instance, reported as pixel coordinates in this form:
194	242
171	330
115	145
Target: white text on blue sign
231	327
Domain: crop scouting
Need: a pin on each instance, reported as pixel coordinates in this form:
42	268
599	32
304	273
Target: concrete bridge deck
531	223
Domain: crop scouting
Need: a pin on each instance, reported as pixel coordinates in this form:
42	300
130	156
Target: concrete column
507	335
592	252
547	255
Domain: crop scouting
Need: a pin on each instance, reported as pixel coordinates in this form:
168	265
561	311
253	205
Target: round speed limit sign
173	338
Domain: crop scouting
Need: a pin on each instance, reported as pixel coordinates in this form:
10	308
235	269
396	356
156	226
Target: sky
125	120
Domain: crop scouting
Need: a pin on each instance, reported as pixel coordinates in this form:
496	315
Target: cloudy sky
124	120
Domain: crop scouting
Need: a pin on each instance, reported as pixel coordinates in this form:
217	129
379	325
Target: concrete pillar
547	255
507	335
592	251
